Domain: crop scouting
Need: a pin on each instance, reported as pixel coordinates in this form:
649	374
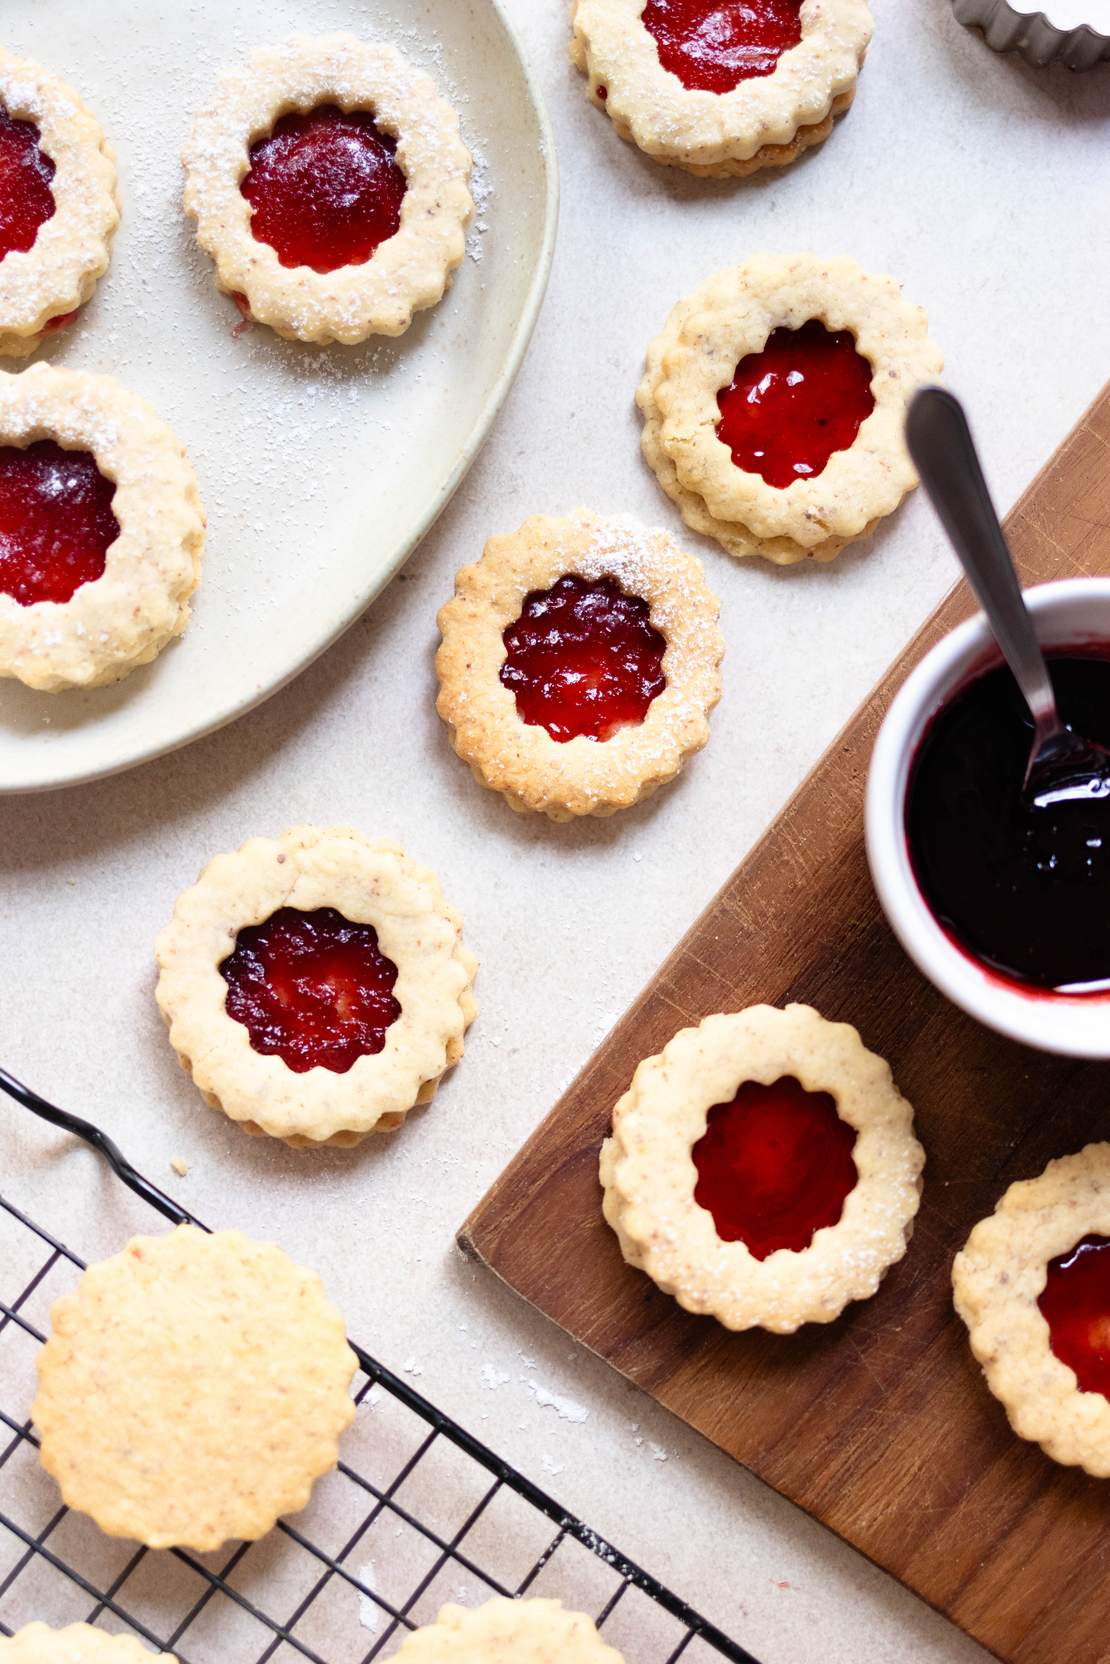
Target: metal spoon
1062	765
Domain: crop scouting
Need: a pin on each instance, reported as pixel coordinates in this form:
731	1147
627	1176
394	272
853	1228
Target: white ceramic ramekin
1067	614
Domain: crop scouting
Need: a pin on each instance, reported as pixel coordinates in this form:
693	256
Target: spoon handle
944	453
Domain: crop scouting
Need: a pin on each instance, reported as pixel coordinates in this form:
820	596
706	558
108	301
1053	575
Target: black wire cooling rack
417	1513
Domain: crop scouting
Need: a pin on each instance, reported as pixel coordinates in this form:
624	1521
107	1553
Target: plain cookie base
508	1632
369	882
533	772
37	1643
648	1175
192	1390
409	271
997	1279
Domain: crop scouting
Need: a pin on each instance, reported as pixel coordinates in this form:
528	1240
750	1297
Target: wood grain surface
879	1425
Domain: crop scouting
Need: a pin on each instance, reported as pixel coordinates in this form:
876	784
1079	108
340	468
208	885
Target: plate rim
468	455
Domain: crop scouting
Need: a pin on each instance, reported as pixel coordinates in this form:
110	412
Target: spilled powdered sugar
369	1612
567	1408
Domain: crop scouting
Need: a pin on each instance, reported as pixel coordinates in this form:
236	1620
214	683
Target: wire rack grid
417	1513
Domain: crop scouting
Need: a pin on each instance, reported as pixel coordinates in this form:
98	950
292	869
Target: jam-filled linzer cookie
329	183
193	1389
762	1169
101	530
774	402
316	986
1033	1286
58	204
580	661
721	87
75	1644
511	1631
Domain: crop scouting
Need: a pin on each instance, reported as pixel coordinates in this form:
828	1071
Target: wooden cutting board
879	1425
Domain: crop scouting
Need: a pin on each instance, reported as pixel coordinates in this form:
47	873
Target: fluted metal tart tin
1040	36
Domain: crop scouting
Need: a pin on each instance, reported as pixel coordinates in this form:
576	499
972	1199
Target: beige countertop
983	186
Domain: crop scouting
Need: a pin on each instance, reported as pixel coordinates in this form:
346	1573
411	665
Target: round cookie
579	663
653	1183
79	453
192	1390
510	1631
731	317
316	986
1000	1282
61	204
75	1644
697	94
415	140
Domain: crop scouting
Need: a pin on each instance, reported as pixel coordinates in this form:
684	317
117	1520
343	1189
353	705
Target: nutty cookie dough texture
648	1174
192	1390
75	1644
731	315
765	121
997	1281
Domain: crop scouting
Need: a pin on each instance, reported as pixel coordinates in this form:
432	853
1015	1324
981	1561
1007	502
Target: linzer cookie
101	530
762	1169
329	184
316	985
579	663
1033	1287
774	402
192	1390
59	207
721	87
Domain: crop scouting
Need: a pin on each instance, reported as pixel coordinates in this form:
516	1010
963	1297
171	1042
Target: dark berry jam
806	395
774	1166
583	658
1022	887
56	521
713	45
311	988
325	189
1076	1306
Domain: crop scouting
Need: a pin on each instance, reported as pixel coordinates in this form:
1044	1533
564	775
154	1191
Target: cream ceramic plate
320	468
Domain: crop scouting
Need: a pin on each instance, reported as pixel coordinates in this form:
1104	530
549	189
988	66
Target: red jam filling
311	988
774	1166
61	320
26	200
583	658
56	521
1076	1306
713	45
806	395
325	189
